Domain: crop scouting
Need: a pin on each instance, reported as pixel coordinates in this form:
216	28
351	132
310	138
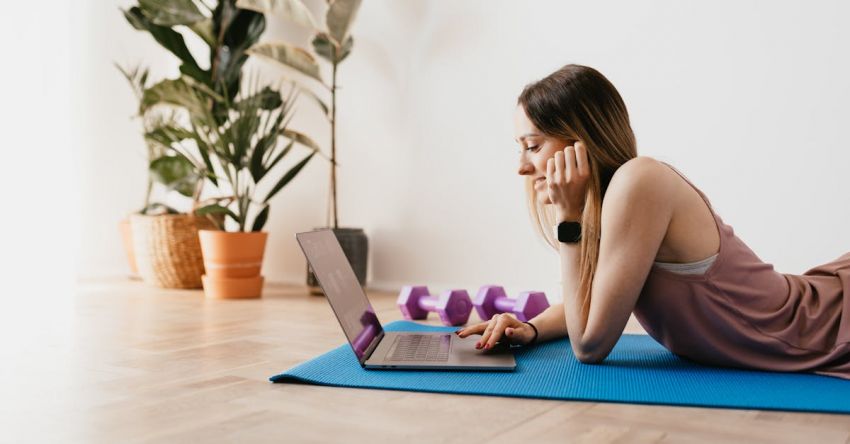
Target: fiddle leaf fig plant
226	29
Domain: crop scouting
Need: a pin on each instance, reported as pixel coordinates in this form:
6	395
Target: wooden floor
133	363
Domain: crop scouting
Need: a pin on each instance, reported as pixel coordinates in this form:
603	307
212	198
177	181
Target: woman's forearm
572	306
551	323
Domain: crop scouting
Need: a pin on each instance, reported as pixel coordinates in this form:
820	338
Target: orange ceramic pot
127	238
232	288
232	262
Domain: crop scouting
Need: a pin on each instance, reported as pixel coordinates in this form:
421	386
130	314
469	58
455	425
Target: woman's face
535	150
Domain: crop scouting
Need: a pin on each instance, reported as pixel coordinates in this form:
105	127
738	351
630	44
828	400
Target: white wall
749	99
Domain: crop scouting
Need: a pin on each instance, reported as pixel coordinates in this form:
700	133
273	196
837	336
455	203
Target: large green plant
227	31
214	118
241	148
332	44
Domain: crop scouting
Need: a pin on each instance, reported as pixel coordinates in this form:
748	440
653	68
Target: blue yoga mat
638	370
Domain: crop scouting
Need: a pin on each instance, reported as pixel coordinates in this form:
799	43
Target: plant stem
148	193
333	142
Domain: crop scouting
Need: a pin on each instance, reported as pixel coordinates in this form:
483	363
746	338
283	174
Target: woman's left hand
567	176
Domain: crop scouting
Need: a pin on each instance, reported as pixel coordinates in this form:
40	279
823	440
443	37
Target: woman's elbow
590	358
590	355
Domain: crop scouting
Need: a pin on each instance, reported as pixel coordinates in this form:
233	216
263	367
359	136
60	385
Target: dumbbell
453	306
491	300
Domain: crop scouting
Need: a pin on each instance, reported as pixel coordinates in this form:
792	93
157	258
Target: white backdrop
750	99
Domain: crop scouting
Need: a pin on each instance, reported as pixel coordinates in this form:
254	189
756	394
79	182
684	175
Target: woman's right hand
500	326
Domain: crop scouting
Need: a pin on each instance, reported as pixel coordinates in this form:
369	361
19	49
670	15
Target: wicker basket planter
167	250
233	262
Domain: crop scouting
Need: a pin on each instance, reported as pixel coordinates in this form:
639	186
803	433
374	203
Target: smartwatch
568	232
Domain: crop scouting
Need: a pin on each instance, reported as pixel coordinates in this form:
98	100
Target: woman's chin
544	200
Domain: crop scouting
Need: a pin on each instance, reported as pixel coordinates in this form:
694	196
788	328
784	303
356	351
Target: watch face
569	232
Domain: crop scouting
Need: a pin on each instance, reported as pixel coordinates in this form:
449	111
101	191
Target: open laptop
379	349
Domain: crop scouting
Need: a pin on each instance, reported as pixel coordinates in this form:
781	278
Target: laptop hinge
372	347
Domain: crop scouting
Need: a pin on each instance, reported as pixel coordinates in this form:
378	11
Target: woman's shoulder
644	174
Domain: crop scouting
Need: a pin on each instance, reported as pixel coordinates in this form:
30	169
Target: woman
650	243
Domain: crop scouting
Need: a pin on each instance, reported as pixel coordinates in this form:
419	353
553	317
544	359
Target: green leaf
166	134
173	92
339	17
171	12
258	153
165	36
301	138
241	132
204	30
261	219
240	29
280	156
182	92
267	98
290	9
290	56
204	149
327	49
176	173
217	209
196	73
288	176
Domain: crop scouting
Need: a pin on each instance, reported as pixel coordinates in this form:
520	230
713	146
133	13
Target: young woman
635	236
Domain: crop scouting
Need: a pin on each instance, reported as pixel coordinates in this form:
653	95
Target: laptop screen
344	293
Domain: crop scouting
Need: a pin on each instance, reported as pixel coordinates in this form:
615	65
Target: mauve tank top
742	313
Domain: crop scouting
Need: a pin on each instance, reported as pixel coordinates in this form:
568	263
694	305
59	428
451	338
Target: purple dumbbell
453	306
491	300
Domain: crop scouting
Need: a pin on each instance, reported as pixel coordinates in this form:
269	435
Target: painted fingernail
487	347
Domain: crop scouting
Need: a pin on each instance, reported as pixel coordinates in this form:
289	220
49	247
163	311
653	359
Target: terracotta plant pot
232	262
127	238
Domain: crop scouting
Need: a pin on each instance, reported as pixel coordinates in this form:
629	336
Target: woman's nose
525	168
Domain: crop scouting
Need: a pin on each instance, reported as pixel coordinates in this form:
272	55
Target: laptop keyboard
420	348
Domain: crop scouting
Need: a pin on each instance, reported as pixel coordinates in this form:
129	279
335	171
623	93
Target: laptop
379	349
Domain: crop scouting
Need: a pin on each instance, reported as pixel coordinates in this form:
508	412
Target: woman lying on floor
635	236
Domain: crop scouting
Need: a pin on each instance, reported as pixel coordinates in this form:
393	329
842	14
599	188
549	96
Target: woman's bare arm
636	212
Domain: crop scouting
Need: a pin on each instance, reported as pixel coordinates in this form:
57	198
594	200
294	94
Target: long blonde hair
578	103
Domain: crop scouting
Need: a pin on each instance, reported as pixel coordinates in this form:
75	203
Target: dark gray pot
355	245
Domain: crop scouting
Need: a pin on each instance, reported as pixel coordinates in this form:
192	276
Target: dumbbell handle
428	303
505	304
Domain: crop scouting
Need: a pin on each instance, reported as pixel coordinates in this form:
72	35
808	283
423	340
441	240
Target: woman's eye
533	148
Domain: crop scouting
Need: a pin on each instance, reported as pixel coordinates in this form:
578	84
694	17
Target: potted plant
242	142
332	44
165	241
159	240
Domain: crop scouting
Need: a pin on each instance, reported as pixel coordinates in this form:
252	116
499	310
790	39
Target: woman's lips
539	180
